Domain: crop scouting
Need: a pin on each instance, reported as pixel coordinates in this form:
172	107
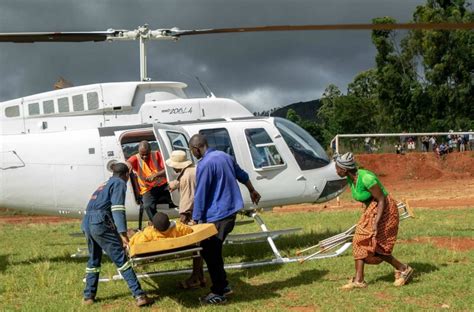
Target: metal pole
143	71
269	239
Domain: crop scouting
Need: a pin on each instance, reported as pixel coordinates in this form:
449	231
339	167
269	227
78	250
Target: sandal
403	278
352	284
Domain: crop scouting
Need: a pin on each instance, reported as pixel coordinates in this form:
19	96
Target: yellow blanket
199	232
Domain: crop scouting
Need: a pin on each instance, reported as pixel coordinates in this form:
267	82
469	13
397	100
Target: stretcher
344	239
166	249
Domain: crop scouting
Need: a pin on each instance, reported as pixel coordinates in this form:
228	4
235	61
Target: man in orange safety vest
150	170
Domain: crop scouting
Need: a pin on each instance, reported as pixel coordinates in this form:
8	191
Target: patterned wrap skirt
365	245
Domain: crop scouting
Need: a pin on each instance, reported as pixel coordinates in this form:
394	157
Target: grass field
37	274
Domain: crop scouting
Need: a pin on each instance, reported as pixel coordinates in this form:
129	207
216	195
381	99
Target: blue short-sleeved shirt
109	199
217	193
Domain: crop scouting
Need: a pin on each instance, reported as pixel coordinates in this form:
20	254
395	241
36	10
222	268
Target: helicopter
57	146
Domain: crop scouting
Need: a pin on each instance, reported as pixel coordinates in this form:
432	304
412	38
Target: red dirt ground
452	243
422	179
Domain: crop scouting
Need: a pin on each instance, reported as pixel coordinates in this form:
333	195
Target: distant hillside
306	110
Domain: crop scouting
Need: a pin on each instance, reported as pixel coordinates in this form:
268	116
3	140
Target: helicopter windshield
307	151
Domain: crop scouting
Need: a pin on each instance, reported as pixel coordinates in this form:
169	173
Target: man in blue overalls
105	227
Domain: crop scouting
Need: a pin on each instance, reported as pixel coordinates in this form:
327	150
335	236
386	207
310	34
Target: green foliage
423	82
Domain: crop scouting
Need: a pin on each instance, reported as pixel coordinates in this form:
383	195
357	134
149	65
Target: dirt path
34	219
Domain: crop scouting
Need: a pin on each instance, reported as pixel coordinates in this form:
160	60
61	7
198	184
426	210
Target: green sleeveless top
365	180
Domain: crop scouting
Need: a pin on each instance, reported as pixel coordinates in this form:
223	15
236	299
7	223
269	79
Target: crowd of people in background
451	143
441	145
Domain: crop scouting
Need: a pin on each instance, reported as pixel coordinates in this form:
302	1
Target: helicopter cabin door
172	138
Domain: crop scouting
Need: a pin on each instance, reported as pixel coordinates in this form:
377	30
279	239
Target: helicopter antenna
205	88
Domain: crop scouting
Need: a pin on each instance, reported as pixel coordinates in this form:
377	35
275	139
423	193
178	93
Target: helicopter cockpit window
48	107
306	150
33	109
219	139
78	103
63	105
262	149
179	142
12	111
92	100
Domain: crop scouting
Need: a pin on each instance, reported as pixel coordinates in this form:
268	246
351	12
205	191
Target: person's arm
132	163
173	185
117	199
379	196
203	181
254	195
243	178
186	192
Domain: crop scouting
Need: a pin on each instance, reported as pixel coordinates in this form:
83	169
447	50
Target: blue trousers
103	236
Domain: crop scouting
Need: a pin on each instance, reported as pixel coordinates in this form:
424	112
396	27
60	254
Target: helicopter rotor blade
388	26
143	32
80	36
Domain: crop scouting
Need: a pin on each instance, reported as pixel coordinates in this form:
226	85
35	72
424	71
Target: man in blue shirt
217	200
104	220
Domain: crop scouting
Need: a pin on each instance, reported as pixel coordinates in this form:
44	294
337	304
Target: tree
447	59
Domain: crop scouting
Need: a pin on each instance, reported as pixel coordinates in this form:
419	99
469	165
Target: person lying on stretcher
162	228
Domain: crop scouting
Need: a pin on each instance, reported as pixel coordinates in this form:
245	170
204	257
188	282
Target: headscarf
346	161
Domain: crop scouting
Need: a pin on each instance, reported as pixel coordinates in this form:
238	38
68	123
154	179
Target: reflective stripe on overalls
125	267
117	208
92	270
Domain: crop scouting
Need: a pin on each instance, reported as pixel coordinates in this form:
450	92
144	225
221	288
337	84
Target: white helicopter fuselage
56	147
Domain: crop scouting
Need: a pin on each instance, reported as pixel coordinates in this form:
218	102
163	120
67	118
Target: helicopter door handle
261	177
301	178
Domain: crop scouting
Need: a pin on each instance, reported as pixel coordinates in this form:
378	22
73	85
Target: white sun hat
178	160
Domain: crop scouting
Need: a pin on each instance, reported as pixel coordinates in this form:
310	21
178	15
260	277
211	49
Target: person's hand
183	218
150	178
125	241
173	185
255	196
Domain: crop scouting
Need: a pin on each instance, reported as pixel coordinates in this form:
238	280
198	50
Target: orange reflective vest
144	171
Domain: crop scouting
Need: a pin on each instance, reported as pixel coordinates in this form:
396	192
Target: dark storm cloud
262	70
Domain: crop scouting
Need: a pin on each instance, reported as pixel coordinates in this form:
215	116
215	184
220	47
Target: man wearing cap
217	200
149	168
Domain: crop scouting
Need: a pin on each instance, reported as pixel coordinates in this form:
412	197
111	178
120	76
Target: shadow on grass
243	292
3	262
65	258
419	267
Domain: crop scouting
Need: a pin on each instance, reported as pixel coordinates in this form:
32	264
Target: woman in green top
376	231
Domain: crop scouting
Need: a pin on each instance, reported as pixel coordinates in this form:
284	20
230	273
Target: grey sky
261	70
